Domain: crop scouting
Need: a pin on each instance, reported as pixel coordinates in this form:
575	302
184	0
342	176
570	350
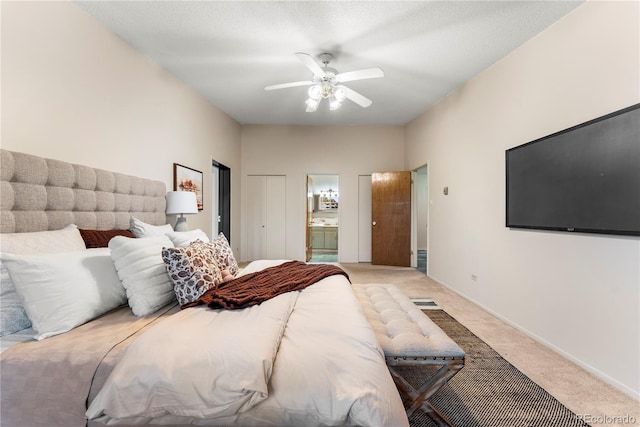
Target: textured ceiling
228	51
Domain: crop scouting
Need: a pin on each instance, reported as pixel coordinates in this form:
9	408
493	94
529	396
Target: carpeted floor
488	391
585	394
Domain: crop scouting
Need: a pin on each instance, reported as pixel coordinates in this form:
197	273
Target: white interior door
275	216
364	218
256	217
266	221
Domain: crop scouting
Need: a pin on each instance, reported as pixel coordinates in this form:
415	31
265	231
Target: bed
304	357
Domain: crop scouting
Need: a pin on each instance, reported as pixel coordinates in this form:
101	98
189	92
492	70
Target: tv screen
582	179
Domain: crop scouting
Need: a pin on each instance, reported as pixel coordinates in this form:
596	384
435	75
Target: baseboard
601	375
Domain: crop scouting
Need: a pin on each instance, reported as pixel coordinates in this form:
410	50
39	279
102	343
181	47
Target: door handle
374	223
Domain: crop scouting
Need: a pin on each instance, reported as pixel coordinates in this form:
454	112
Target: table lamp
182	203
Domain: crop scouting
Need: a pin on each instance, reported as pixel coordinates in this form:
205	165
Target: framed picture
187	179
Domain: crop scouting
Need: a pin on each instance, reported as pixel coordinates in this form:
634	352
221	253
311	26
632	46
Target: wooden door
391	218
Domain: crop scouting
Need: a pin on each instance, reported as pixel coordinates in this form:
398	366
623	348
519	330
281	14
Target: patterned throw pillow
224	254
193	270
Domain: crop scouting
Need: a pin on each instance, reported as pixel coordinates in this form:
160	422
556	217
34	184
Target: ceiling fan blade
311	64
361	100
285	85
368	73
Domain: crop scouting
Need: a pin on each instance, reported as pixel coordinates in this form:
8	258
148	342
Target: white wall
578	293
295	151
422	209
74	91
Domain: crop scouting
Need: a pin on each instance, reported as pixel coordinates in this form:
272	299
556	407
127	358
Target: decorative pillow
224	254
183	239
142	229
142	272
13	318
64	290
193	270
101	238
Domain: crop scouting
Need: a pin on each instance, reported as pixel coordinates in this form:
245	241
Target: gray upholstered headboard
38	194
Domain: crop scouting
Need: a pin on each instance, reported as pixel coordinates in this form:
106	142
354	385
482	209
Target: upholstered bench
409	338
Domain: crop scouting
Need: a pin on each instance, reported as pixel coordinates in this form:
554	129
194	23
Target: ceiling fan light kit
325	84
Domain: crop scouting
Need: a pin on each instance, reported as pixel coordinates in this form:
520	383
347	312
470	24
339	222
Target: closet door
256	217
276	219
364	218
266	197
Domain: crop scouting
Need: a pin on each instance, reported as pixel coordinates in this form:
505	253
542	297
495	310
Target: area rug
488	391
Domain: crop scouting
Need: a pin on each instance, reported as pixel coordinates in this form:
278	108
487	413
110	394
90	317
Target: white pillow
12	315
142	229
182	239
142	272
64	290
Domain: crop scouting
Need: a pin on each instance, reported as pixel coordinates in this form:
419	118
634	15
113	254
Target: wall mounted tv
583	179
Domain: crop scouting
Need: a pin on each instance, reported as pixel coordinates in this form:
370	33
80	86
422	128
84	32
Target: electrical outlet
474	277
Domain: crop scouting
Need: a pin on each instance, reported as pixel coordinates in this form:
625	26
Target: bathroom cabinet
324	237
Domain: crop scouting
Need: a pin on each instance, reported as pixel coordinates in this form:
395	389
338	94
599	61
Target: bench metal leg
419	399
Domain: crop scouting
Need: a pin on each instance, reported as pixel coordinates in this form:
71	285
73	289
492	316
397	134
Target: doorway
220	200
323	225
364	218
422	217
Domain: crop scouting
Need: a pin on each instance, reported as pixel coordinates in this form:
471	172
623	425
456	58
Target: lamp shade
181	202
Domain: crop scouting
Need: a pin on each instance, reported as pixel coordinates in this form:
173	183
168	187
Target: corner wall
578	293
72	90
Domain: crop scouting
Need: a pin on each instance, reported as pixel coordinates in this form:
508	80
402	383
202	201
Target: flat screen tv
583	179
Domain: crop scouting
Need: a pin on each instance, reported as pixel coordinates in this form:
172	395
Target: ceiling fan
326	83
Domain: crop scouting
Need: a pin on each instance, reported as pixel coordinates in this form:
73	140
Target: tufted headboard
38	194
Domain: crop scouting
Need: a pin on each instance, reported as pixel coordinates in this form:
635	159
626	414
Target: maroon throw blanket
254	288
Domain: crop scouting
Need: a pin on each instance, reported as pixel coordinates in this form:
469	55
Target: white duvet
306	358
